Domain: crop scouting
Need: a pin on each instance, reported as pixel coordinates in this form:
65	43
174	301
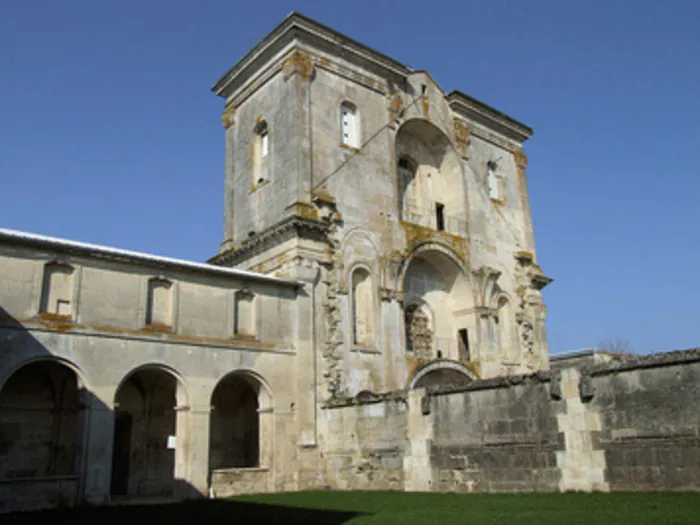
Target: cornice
303	29
294	226
481	113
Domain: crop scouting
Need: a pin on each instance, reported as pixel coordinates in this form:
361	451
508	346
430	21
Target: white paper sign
171	442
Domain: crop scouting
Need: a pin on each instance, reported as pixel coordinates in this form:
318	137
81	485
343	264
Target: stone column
582	467
192	451
418	471
97	457
229	187
307	272
267	444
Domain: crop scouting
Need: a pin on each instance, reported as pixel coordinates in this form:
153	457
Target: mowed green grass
381	508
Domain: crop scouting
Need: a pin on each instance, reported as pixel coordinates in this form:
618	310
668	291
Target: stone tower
404	210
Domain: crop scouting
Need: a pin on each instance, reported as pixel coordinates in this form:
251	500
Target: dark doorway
235	425
440	216
463	341
121	453
144	447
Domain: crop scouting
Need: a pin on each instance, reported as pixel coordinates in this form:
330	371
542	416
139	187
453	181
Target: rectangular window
440	216
463	340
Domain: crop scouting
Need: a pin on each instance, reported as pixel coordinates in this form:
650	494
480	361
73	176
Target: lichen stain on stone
418	235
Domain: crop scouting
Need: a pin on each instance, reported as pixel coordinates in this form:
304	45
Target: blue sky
109	133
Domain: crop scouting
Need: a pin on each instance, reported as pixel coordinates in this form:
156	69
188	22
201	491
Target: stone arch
81	377
436	179
362	286
42	401
434	276
421	249
358	247
506	326
442	372
151	431
240	431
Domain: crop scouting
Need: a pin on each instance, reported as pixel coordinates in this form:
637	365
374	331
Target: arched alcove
437	283
39	406
430	178
147	433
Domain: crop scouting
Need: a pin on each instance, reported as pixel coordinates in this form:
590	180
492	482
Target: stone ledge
629	363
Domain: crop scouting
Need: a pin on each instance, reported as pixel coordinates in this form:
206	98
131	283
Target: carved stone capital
299	63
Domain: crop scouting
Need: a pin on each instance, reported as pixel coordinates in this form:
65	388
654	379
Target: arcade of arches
43	424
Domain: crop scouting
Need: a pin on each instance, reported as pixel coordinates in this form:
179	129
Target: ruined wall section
365	445
499	435
650	429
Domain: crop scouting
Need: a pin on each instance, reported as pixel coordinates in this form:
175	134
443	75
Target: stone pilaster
582	467
417	464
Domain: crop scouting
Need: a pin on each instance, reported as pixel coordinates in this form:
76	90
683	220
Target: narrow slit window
261	153
440	216
492	181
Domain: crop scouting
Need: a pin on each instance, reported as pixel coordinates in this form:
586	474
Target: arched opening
442	377
261	153
438	298
145	434
506	329
39	423
349	125
441	373
234	432
362	307
430	178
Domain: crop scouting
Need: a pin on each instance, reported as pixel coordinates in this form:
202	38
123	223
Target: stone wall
496	436
366	444
628	424
650	421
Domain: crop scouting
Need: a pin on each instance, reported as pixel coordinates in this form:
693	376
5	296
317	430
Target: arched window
494	183
261	150
57	290
362	307
506	327
159	307
349	125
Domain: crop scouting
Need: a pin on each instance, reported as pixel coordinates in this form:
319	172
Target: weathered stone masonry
373	319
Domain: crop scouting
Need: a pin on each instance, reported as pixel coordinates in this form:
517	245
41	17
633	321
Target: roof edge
31	239
489	115
296	20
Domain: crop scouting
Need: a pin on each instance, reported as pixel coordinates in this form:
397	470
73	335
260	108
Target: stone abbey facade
373	317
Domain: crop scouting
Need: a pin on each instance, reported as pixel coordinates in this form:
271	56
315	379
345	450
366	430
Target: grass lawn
381	508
